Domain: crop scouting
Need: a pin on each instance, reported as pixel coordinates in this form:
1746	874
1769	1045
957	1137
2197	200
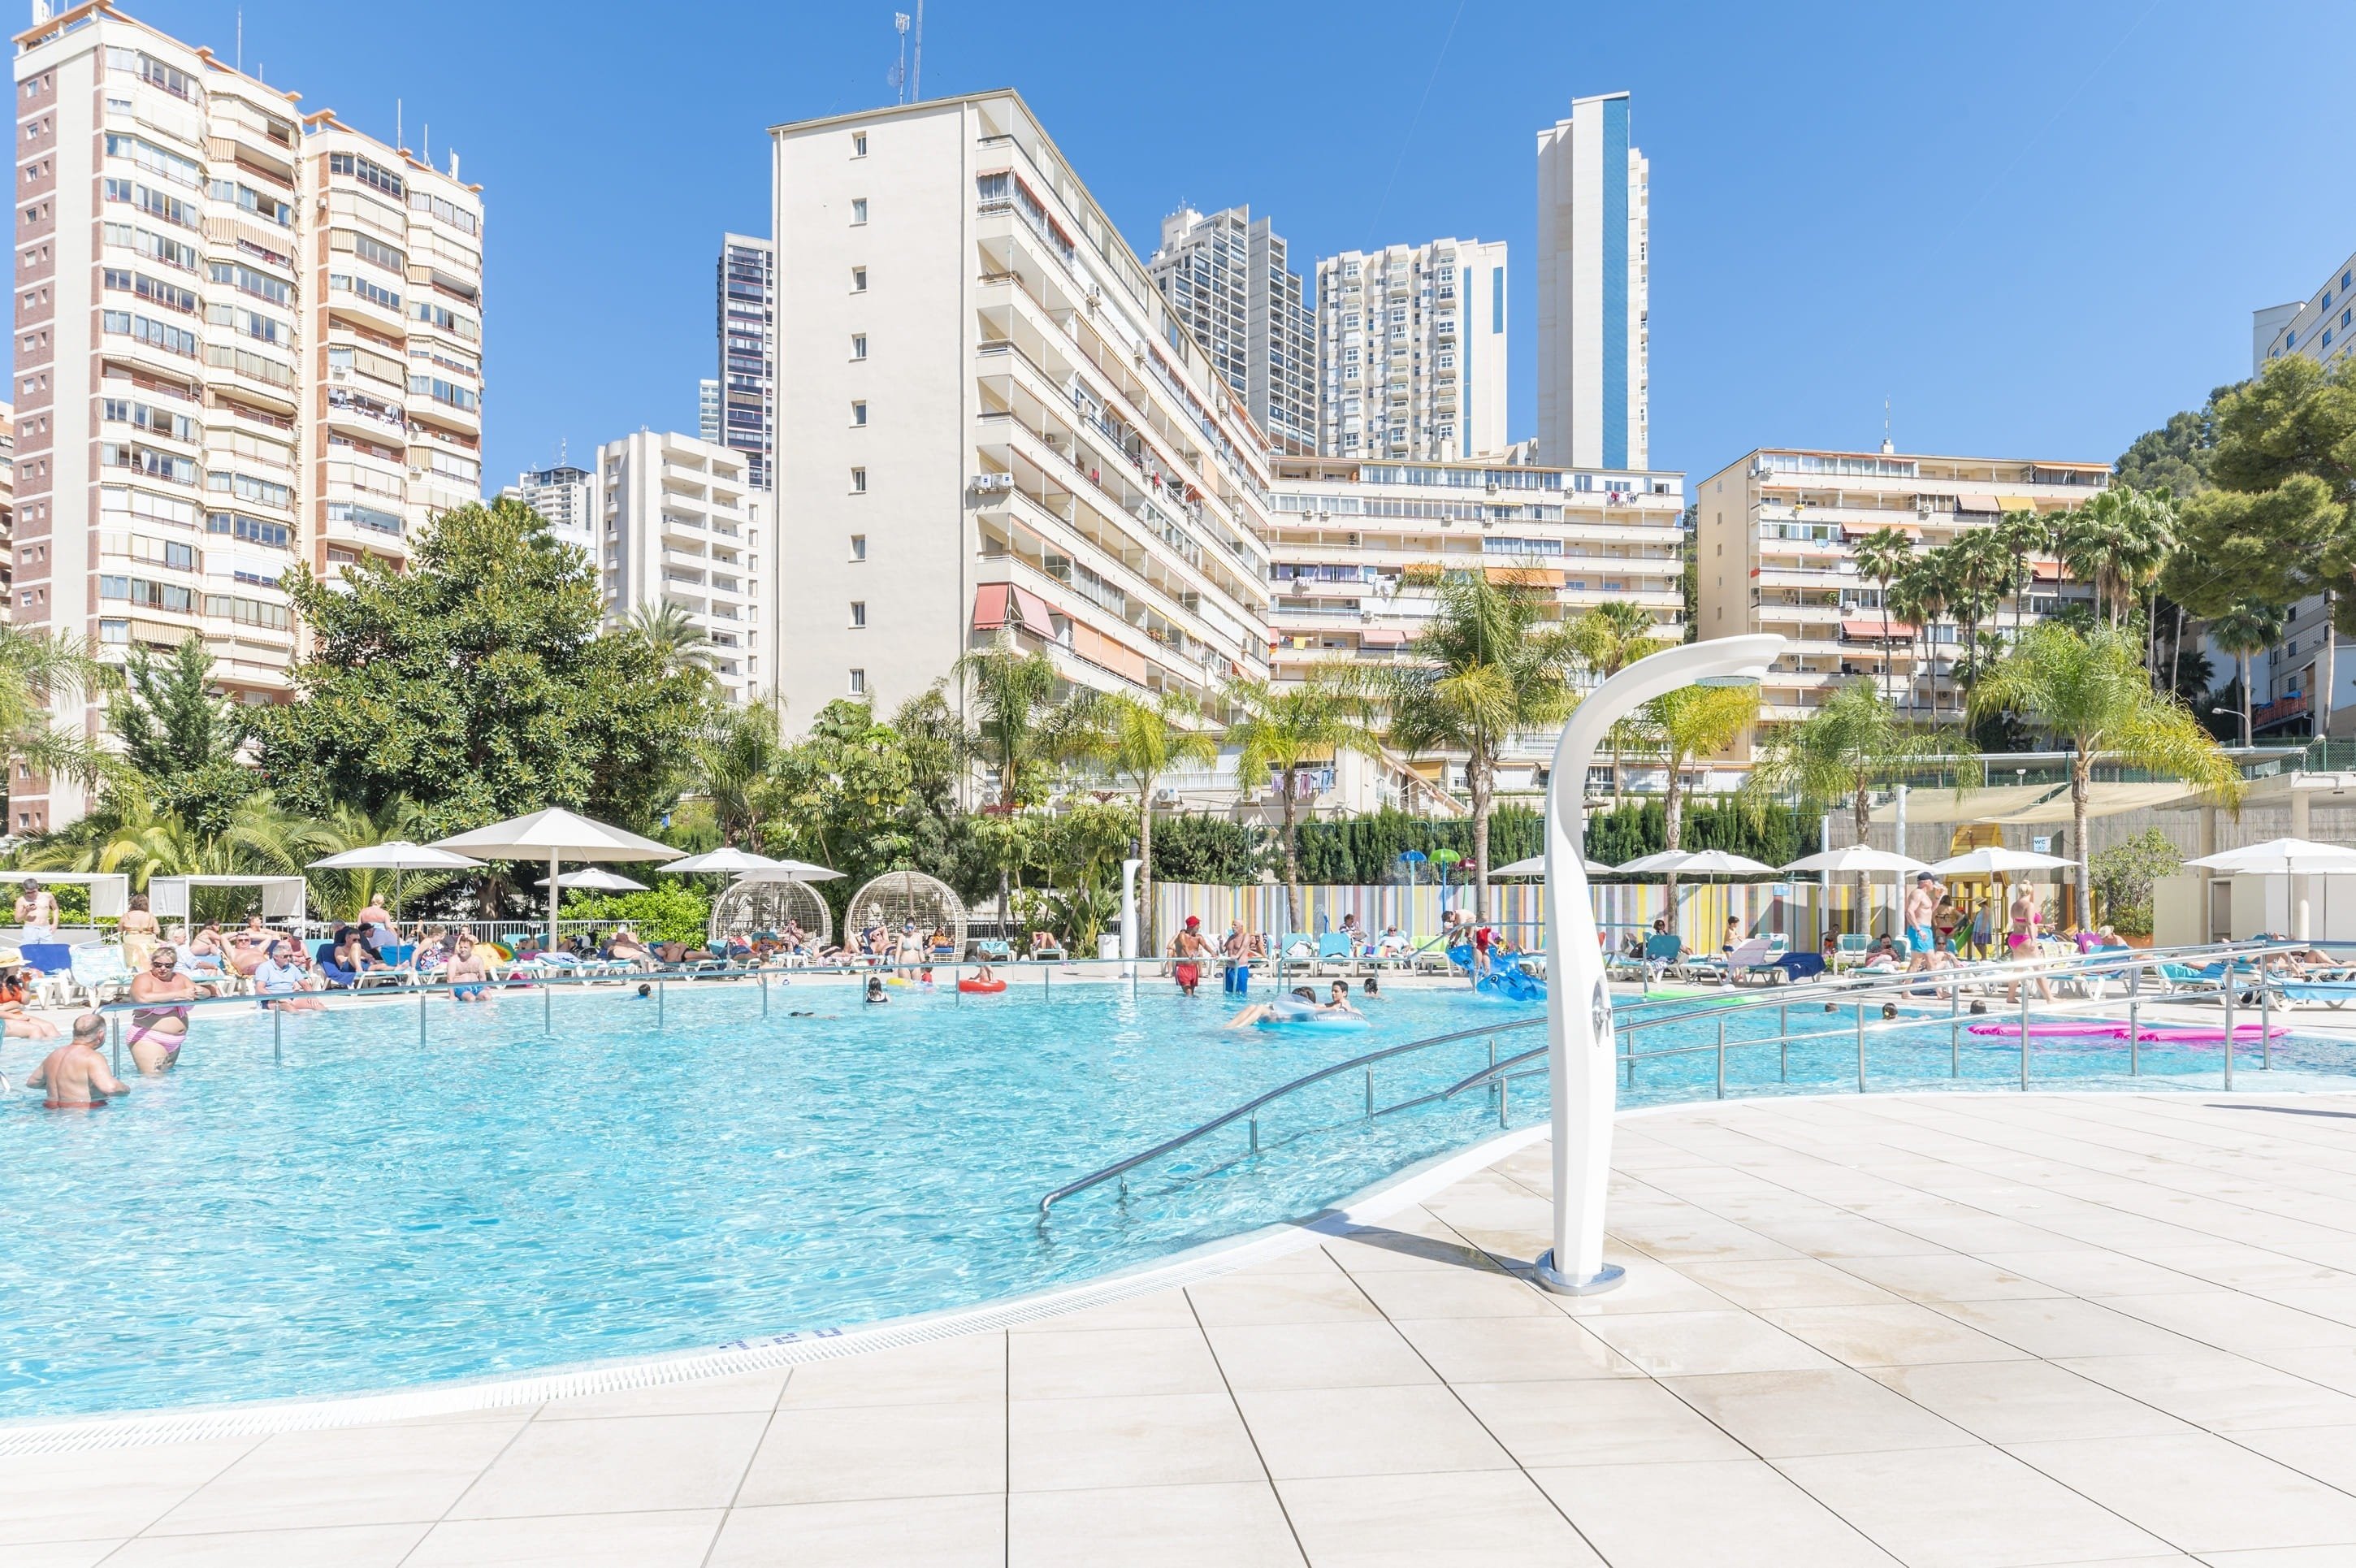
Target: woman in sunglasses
159	1027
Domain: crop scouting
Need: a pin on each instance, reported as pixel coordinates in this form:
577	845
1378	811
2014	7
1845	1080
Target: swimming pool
370	1213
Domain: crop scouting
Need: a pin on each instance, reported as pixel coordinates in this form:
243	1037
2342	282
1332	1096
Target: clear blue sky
2038	228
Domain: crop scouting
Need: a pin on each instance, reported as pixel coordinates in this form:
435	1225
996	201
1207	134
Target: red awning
2046	571
1871	631
1378	637
999	605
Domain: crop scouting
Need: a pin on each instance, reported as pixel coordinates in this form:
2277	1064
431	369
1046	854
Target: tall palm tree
2092	690
1839	755
2019	534
1137	740
2119	542
38	669
1011	695
1882	557
1487	666
732	764
1920	596
671	638
1689	722
1974	565
1285	730
1608	638
2243	631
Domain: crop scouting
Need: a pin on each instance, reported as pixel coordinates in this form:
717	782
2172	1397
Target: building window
857	481
859	612
859	280
858	410
859	683
859	547
859	345
858	143
859	209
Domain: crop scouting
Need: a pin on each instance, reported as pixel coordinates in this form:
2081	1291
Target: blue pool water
369	1212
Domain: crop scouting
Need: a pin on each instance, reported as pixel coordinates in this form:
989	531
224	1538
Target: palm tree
1013	697
2119	542
1921	597
1284	730
732	766
1973	565
1839	755
1608	638
1137	740
671	638
1488	666
1689	722
1882	556
2019	534
36	670
349	827
2093	690
2243	631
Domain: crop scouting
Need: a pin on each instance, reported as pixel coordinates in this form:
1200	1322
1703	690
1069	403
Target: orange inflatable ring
982	987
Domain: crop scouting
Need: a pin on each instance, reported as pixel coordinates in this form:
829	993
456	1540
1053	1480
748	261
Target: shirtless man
1188	950
1339	1001
37	911
75	1073
159	1027
1921	903
468	972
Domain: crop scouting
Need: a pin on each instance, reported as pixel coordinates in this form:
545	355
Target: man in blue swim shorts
1921	903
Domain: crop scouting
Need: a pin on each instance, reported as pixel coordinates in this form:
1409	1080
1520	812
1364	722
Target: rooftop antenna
426	144
396	122
1886	447
241	38
916	59
899	72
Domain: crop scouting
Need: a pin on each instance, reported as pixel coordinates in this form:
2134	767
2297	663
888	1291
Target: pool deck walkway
1942	1330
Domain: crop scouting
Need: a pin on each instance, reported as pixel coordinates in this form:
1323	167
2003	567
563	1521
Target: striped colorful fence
1797	911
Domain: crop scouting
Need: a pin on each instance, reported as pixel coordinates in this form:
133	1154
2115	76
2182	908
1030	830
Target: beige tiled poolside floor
1944	1331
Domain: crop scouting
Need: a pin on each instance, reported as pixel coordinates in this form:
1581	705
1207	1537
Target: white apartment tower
747	305
1412	352
684	525
245	338
1594	221
707	409
567	496
1003	436
1229	279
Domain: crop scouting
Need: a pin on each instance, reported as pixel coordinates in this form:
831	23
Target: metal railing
2092	972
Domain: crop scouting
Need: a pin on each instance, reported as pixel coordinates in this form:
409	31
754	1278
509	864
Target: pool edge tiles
258	1418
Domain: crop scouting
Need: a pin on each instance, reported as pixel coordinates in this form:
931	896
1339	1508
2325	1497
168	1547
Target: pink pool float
2101	1029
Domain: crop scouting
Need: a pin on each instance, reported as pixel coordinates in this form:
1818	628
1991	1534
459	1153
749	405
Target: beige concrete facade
1776	536
683	524
1411	350
995	429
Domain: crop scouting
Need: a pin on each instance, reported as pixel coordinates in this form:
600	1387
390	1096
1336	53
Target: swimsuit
144	1019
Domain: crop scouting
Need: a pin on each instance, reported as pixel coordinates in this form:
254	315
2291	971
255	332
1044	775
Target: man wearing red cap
1188	948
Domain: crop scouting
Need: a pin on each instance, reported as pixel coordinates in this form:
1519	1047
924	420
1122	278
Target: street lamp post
1579	1004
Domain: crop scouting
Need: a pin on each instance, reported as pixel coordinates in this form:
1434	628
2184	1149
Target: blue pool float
1302	1015
1514	984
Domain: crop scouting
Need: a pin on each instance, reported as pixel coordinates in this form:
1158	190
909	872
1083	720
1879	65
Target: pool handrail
2101	963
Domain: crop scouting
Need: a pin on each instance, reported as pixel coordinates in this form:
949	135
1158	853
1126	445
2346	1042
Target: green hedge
671	913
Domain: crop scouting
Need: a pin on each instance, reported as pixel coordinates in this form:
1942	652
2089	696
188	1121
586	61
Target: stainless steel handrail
2104	964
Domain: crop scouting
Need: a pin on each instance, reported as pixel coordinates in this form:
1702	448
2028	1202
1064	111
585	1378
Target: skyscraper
566	496
246	337
747	308
1412	351
1228	277
1594	216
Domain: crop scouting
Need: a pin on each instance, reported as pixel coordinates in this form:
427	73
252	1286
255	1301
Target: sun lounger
2334	994
98	971
1336	954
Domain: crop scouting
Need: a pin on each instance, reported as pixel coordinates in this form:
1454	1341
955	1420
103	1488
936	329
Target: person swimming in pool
1297	1003
1339	1002
75	1074
469	975
876	996
159	1027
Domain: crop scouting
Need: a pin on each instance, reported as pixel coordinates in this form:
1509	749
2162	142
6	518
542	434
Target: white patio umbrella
603	881
560	836
1535	867
1852	860
396	856
1998	861
1695	862
786	871
2286	858
727	859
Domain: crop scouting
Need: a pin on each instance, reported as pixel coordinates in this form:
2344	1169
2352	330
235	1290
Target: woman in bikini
2022	940
159	1026
139	933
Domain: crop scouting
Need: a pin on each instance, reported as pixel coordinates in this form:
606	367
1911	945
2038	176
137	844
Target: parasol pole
554	893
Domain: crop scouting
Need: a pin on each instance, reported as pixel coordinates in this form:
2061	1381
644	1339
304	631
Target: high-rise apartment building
1412	352
245	338
568	497
7	495
747	306
1594	288
1775	538
684	525
707	409
2322	327
1002	434
1229	279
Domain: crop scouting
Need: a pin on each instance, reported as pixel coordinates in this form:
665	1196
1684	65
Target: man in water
1188	949
1300	1002
1922	905
468	972
1339	1002
1236	977
75	1073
